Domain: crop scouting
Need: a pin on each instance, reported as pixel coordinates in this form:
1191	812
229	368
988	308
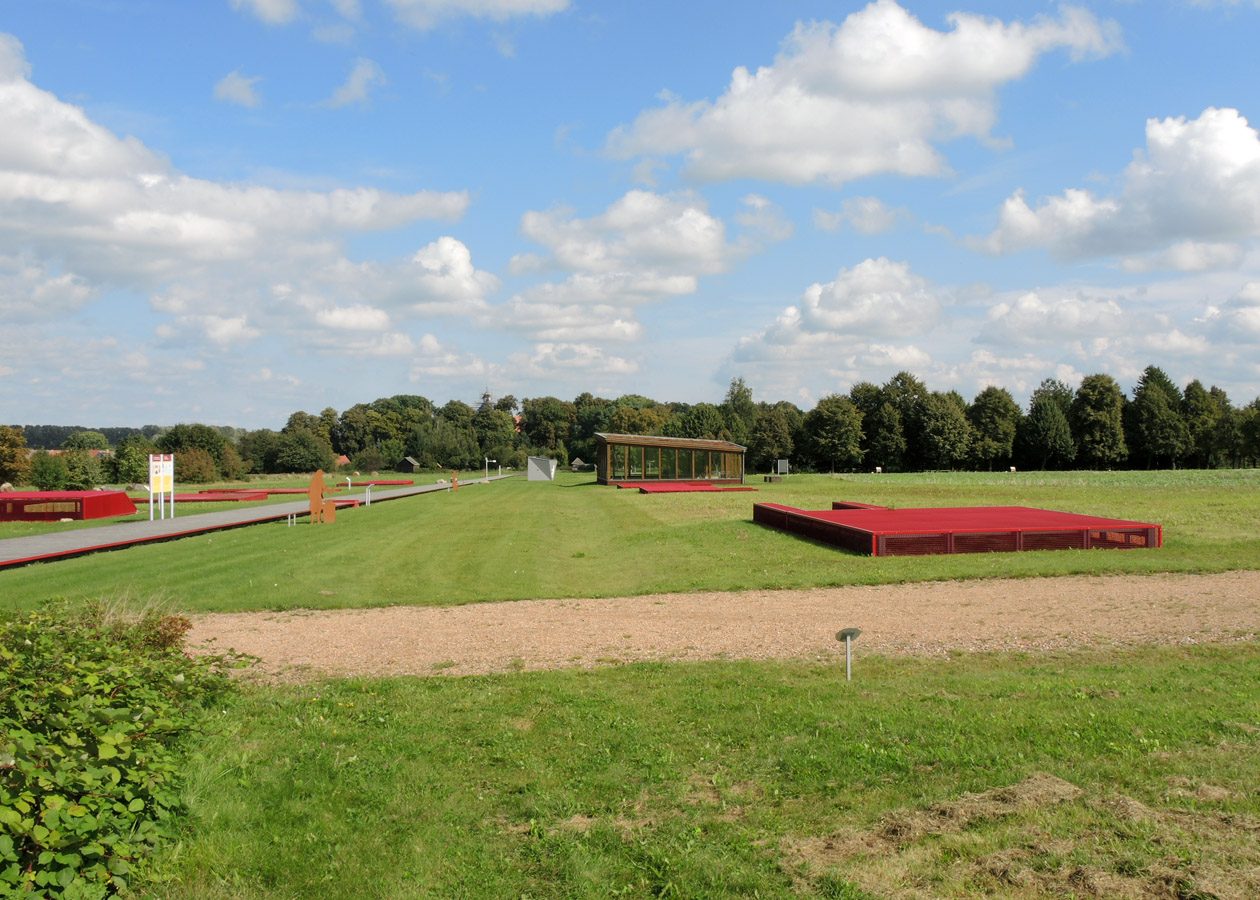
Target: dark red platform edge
870	543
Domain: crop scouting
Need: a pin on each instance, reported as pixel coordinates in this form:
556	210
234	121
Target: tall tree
1044	439
739	410
771	438
703	420
885	439
946	433
1156	432
86	440
1202	411
834	431
868	398
547	422
908	395
1098	422
994	416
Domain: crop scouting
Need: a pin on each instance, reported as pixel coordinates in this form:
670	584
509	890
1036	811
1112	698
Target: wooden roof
656	440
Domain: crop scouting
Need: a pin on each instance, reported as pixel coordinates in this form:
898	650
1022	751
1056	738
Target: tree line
899	426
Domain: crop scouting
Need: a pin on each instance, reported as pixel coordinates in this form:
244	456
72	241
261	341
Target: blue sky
227	210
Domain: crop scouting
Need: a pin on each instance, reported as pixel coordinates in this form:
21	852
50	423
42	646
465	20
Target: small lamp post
848	635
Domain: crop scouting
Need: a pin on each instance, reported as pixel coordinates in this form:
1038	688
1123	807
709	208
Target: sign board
781	467
161	483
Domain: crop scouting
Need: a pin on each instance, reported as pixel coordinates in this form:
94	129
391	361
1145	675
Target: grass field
515	539
743	779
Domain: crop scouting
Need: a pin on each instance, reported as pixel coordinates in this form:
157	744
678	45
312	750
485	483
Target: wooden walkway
57	545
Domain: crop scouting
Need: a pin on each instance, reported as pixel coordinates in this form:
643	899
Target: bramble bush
95	713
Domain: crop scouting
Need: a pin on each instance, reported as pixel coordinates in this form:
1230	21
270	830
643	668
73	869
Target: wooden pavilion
639	457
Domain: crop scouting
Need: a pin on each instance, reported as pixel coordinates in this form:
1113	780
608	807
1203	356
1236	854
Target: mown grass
740	779
515	539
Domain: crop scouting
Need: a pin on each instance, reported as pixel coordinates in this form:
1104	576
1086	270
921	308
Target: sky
227	210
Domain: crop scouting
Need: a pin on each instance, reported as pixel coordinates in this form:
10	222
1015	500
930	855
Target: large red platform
52	506
879	531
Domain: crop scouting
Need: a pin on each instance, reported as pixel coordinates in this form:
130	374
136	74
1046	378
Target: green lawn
515	539
742	779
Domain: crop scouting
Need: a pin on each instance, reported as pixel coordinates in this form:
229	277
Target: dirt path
915	619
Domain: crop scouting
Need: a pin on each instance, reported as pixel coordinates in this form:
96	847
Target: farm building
637	457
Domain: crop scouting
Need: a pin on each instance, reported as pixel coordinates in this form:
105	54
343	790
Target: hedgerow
95	712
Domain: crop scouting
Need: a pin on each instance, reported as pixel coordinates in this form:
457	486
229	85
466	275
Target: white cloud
1037	317
865	215
877	297
28	291
239	89
353	318
427	14
764	219
1239	318
273	12
435	360
872	95
567	359
362	78
1182	205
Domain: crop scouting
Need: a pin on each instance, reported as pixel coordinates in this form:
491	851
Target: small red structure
879	531
51	506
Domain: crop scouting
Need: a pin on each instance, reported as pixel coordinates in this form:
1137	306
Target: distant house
409	464
343	460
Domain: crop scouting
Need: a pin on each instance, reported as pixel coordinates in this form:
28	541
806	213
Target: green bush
94	712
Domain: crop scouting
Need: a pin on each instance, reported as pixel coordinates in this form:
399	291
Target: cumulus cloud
1239	319
358	84
872	95
1183	202
427	14
239	89
433	359
273	12
567	359
865	215
84	211
1038	317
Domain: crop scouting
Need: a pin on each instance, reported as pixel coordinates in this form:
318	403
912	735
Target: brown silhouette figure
322	511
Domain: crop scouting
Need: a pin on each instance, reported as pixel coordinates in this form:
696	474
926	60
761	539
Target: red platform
52	506
879	531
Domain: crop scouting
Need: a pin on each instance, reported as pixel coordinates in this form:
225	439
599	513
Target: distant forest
899	426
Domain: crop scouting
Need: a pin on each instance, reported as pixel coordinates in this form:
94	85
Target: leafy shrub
94	712
195	466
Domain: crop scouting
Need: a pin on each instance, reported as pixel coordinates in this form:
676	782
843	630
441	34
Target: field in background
1088	774
515	539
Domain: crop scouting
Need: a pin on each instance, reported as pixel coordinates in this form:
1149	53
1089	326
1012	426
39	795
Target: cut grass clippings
515	539
1112	774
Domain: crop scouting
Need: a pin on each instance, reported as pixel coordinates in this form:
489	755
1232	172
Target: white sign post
161	482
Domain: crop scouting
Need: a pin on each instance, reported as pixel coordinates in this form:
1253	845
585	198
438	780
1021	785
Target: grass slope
747	779
515	539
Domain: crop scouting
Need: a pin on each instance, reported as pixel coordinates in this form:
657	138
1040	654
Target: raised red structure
879	531
51	506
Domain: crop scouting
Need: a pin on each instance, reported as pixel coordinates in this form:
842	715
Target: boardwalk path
77	542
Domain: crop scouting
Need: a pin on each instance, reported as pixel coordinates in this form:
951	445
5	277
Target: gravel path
911	619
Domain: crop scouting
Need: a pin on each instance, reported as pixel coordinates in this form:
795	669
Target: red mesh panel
1054	540
1118	539
913	544
985	543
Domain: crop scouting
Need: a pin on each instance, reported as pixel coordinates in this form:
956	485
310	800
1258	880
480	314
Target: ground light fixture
848	635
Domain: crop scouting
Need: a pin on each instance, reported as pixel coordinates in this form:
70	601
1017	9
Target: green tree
86	440
458	413
494	428
182	438
1156	432
1097	422
443	444
994	417
945	439
771	438
703	420
15	464
739	411
83	470
547	422
1044	439
258	450
195	466
868	398
834	431
301	450
908	395
1202	411
48	472
639	419
130	464
1249	431
886	440
591	415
